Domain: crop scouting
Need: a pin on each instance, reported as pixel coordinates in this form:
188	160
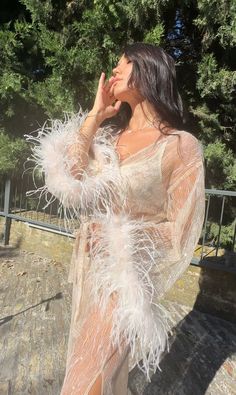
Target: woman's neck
143	115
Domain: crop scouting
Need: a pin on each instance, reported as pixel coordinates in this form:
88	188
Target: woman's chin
125	94
121	95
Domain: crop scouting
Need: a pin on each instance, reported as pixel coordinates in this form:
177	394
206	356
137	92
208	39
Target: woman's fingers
105	100
101	80
108	84
117	105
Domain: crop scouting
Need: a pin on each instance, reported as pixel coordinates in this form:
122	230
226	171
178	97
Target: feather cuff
123	257
97	188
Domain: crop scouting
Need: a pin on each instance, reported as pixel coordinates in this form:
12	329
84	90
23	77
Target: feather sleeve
148	257
95	187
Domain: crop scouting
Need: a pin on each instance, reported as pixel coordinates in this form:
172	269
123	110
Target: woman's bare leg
91	349
97	387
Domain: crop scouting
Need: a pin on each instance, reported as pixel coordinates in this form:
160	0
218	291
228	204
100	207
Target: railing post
234	237
205	226
7	225
220	225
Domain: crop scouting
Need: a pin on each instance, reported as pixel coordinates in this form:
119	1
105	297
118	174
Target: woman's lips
116	80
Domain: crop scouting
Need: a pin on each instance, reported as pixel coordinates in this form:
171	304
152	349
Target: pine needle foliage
52	54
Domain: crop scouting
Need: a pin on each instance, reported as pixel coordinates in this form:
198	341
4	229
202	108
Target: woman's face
122	73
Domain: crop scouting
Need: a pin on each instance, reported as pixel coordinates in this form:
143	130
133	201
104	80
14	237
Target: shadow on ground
47	301
10	251
201	359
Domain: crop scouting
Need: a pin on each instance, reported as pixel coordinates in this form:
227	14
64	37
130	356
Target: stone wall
209	290
43	242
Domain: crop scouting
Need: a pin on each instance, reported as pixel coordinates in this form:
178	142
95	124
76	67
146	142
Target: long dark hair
154	76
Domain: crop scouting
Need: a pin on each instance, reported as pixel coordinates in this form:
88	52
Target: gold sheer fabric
148	211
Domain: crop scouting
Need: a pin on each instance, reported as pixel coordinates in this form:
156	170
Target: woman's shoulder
187	139
186	136
187	145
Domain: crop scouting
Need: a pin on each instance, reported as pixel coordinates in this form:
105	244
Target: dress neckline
146	148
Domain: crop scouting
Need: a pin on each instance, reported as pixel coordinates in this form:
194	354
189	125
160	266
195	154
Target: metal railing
15	205
35	211
210	251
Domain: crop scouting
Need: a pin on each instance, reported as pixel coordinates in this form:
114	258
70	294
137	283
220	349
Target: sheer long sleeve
177	237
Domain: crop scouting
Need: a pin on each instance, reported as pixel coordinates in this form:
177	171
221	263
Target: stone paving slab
34	322
201	360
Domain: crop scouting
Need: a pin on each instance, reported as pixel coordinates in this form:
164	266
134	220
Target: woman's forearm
78	152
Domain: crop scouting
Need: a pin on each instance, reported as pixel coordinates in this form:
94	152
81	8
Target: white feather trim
123	255
98	187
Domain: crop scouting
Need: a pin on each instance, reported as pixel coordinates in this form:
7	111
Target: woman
138	190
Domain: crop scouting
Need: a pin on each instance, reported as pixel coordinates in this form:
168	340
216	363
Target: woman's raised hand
105	104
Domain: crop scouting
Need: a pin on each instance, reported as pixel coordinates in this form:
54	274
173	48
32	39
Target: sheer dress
148	212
